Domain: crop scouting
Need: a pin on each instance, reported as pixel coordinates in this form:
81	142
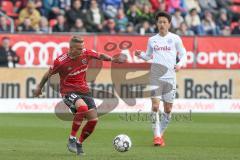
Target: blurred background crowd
189	17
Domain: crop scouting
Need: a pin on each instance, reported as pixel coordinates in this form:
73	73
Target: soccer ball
122	143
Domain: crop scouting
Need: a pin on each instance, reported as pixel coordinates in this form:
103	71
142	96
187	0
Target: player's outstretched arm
145	56
38	91
142	55
115	59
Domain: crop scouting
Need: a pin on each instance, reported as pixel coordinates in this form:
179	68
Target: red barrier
128	44
41	50
218	52
113	45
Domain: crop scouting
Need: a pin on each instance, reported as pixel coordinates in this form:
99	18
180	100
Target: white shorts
165	89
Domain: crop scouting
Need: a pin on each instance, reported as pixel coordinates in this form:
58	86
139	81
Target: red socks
77	120
87	130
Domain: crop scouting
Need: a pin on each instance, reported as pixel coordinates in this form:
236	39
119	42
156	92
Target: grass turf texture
44	136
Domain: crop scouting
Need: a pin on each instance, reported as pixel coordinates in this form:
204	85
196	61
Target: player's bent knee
167	107
92	114
155	108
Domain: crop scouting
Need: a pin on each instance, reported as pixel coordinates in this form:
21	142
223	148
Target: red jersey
72	72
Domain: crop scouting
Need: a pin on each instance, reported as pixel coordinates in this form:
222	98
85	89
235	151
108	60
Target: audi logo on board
40	52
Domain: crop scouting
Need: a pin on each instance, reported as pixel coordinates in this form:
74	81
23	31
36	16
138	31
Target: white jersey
164	51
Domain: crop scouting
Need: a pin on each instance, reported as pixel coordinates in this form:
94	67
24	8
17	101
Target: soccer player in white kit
168	55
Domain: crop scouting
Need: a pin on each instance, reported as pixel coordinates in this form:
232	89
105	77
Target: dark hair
163	14
192	10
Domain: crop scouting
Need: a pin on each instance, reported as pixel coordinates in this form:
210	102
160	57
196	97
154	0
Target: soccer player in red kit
72	67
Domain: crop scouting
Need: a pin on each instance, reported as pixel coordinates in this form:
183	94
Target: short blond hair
76	39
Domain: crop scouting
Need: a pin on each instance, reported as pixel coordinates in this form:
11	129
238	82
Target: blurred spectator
127	3
31	13
190	4
75	13
155	4
51	8
134	14
65	4
4	26
43	25
159	5
210	5
121	21
193	21
94	18
110	27
78	26
209	24
61	26
162	6
224	3
147	15
224	23
26	26
184	30
176	4
130	28
141	3
236	29
110	7
85	5
8	57
39	6
177	19
19	4
145	28
114	3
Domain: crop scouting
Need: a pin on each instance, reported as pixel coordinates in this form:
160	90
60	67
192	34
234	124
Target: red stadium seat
7	6
235	8
235	1
233	25
18	4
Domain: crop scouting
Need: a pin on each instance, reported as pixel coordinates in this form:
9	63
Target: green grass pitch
44	137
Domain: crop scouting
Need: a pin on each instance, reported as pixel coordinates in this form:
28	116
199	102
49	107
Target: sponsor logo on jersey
163	48
78	72
84	61
169	41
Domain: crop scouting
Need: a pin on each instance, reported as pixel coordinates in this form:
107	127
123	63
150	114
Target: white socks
155	124
165	119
